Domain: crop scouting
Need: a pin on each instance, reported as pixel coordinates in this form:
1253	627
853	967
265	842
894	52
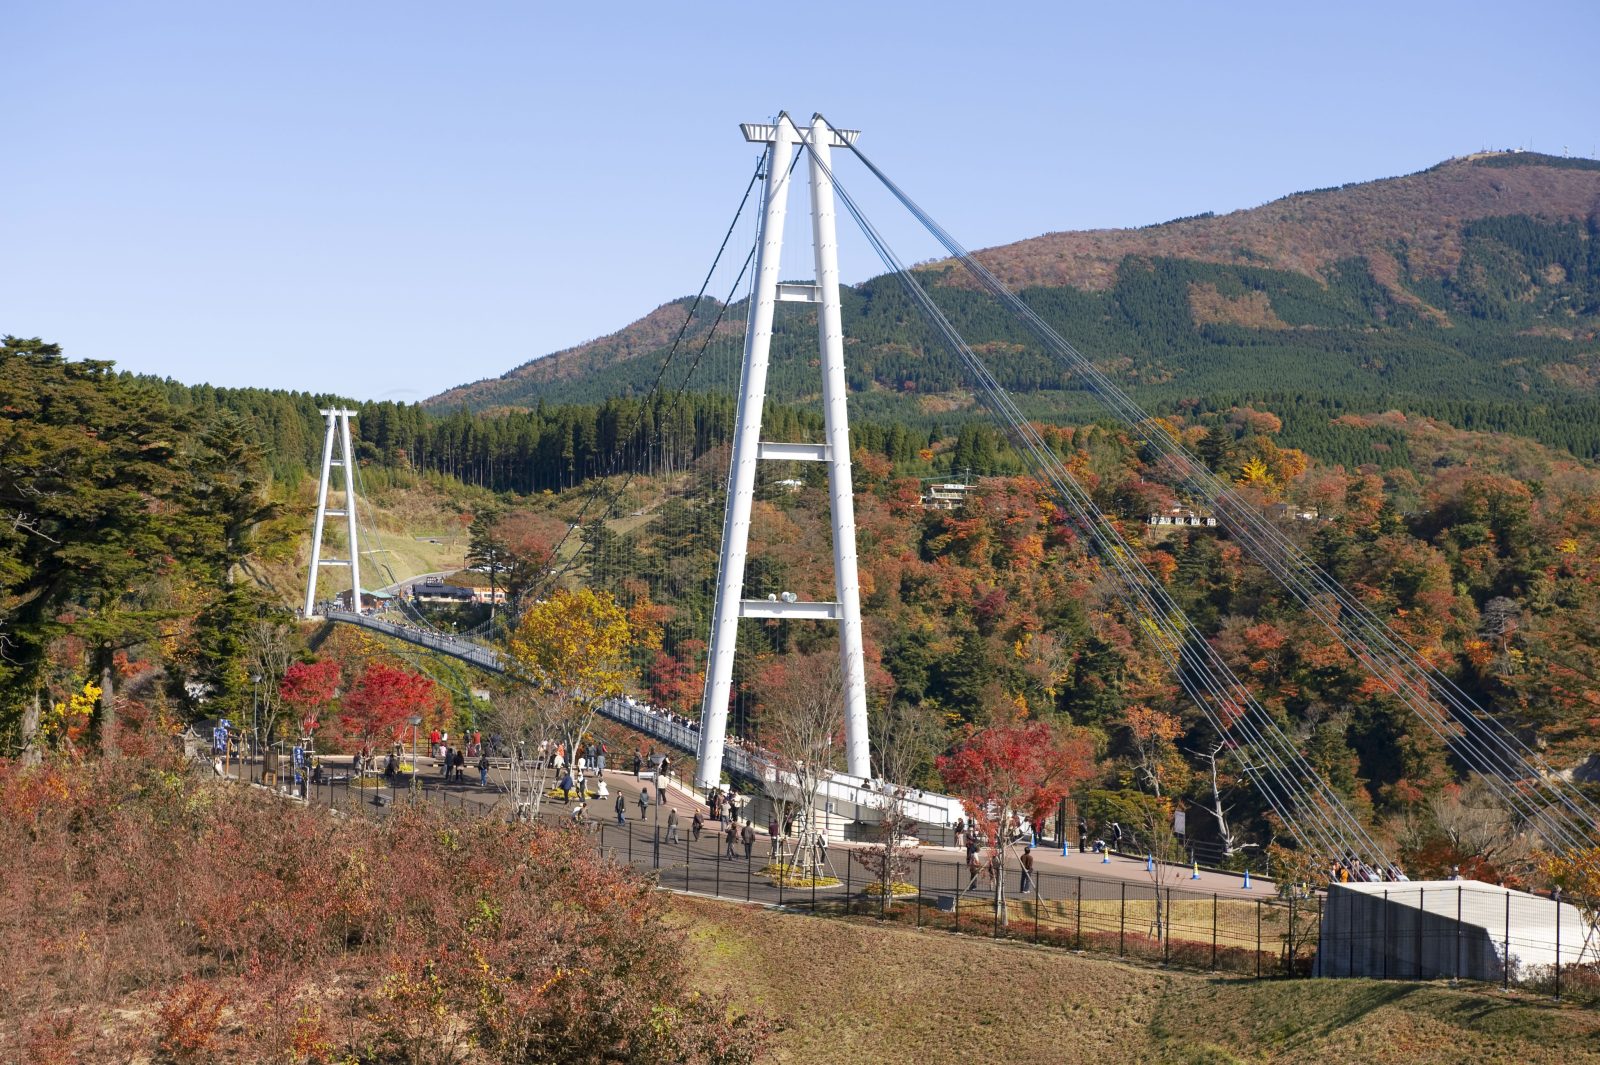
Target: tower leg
742	471
350	510
840	489
322	510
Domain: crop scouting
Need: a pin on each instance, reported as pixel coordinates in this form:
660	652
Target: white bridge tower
338	426
819	139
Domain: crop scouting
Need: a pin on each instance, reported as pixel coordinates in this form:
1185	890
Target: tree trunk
108	711
31	755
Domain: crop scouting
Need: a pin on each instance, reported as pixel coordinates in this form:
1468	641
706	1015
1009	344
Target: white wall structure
783	137
1447	929
338	429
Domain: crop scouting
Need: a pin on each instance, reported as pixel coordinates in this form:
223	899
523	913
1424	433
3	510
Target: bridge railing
636	717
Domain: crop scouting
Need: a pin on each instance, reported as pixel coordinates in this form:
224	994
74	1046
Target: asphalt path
704	867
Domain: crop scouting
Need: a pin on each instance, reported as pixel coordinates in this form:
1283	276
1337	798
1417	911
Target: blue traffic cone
1246	884
1105	857
1196	874
1149	863
1064	851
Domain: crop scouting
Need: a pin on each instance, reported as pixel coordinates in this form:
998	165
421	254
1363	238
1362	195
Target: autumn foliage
385	697
157	914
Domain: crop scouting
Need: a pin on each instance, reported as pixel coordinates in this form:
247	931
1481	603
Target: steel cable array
1315	814
1484	744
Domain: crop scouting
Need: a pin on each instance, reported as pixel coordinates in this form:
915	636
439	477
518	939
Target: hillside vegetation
1469	292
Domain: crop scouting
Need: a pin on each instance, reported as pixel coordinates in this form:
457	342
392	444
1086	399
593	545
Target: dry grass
862	992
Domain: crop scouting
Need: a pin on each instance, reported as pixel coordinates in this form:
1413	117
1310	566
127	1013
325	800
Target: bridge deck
737	762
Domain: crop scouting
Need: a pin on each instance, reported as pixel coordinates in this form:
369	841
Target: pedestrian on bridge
732	832
672	825
695	826
644	802
747	836
622	809
483	769
638	764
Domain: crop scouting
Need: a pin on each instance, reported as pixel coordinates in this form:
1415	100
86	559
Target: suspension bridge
1305	804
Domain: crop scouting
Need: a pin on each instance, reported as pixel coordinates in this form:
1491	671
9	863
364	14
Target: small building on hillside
1182	516
945	496
440	592
1291	512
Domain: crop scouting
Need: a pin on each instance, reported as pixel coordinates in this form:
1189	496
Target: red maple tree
383	700
308	687
1024	769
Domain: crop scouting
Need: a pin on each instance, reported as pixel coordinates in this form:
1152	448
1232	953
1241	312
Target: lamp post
415	721
255	714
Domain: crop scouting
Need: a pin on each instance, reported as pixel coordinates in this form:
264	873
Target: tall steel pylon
819	139
338	426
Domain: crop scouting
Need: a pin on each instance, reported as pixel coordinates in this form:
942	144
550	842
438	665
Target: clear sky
386	199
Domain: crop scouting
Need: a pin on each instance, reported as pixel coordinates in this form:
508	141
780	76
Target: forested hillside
1469	292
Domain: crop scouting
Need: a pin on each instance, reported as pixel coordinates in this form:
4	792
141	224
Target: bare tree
269	651
904	738
802	711
525	720
1217	810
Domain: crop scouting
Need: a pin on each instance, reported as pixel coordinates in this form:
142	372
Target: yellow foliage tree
572	650
1255	472
1577	874
67	720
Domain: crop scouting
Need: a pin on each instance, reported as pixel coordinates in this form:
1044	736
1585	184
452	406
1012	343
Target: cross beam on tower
783	136
338	427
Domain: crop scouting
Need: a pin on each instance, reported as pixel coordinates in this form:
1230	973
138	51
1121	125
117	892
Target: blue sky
388	199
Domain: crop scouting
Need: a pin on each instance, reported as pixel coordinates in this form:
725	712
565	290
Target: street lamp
415	721
255	714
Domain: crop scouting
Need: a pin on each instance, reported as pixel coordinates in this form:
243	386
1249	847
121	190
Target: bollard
1196	874
1246	884
1149	863
1105	857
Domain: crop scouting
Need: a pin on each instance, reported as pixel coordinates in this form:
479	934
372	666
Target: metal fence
1166	923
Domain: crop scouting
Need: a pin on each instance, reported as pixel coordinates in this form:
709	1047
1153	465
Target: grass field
859	992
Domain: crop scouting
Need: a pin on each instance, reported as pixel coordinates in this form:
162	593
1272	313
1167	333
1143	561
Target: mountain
1468	291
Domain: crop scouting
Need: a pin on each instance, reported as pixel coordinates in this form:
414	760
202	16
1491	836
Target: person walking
566	787
772	835
672	825
1116	836
748	837
695	826
461	766
972	867
622	809
731	832
1083	835
444	764
822	849
714	805
644	802
1027	870
961	832
638	764
483	768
